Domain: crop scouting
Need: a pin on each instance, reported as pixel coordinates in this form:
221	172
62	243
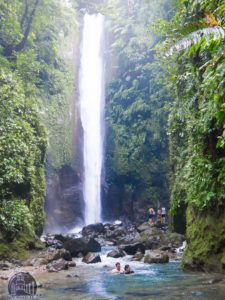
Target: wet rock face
205	250
64	191
91	258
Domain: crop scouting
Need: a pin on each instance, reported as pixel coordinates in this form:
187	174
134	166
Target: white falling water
91	86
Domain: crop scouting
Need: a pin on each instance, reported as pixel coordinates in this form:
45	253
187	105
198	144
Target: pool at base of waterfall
149	282
155	282
97	282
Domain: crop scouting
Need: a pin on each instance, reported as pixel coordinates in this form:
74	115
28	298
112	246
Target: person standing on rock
159	217
163	215
151	220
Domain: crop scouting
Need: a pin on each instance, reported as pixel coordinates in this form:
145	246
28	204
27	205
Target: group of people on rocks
159	218
118	270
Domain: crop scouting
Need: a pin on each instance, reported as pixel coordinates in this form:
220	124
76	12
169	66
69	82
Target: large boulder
132	249
130	238
57	265
52	241
173	239
48	256
82	245
156	257
116	233
137	257
91	258
93	230
116	253
144	227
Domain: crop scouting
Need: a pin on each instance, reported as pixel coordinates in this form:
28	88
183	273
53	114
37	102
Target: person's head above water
127	270
118	267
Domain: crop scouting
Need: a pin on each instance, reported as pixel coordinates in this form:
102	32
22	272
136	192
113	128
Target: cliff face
64	201
206	241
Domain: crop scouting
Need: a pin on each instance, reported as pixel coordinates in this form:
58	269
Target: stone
49	255
93	229
4	277
156	257
165	248
131	249
57	265
116	253
137	257
144	227
110	243
71	264
91	258
131	238
118	223
175	239
5	265
72	276
116	233
82	245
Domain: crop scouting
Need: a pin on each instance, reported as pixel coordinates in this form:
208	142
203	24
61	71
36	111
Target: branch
18	47
24	15
21	45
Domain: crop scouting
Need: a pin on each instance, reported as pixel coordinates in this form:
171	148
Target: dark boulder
82	245
5	265
91	258
116	253
93	230
132	249
116	233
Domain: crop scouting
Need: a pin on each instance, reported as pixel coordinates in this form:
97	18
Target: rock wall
206	241
64	203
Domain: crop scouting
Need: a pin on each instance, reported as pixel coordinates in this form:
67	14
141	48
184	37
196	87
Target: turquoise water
149	282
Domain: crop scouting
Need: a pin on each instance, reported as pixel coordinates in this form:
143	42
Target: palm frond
209	33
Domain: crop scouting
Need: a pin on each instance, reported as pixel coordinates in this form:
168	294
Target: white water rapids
91	85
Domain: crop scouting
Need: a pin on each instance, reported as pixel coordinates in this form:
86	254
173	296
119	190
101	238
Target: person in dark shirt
127	270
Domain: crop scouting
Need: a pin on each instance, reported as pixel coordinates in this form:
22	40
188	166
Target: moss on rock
206	241
20	246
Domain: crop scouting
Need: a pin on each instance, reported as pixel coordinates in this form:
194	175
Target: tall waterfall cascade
92	101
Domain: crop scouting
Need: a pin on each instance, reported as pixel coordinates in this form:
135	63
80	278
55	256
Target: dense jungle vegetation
34	82
165	115
137	145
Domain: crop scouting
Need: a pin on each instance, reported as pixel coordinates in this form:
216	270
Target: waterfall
91	85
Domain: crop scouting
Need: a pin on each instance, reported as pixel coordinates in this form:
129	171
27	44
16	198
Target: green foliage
136	153
196	119
35	82
14	217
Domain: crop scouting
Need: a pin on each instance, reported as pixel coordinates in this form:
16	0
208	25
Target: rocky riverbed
80	264
144	243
